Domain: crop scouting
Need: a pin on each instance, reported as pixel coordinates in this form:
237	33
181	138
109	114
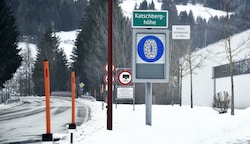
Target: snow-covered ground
170	124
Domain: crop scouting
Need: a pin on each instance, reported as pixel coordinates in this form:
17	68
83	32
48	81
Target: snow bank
170	124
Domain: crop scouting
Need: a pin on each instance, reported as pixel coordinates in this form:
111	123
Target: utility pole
110	99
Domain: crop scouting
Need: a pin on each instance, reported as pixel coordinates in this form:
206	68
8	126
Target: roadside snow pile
10	105
170	124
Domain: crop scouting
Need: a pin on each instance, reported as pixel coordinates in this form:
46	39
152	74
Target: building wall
203	84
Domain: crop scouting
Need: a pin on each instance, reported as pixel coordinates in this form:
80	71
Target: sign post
125	88
110	59
150	52
148	101
81	85
180	32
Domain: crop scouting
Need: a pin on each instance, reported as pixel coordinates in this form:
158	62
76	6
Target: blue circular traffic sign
150	48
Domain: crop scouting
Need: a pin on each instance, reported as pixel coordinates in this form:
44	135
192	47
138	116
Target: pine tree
183	17
90	53
151	6
143	5
10	59
178	2
32	14
59	75
172	12
62	73
193	2
200	31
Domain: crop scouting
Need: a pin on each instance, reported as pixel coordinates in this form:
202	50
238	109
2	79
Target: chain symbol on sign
150	48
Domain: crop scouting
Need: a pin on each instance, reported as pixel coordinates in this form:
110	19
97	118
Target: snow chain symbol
150	48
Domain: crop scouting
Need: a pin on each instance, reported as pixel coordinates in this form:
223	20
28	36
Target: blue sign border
160	48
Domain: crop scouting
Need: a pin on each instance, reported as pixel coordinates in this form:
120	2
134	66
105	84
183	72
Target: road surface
26	122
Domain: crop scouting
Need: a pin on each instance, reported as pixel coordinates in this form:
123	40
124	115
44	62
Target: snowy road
25	123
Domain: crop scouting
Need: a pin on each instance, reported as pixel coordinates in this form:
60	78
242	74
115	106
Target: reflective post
73	95
47	138
72	125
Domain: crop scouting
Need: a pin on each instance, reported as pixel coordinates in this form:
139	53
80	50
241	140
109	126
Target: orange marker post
47	94
72	125
73	95
48	135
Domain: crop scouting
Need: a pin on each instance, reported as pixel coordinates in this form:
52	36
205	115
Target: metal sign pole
148	101
110	57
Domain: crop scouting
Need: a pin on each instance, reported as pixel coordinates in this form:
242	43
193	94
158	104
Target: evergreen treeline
90	53
206	32
34	16
10	59
59	72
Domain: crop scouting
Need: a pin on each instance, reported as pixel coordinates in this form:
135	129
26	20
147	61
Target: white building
203	84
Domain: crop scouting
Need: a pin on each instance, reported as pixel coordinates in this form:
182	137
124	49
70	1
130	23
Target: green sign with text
150	19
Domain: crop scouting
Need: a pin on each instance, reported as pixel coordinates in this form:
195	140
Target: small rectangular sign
125	93
150	19
181	32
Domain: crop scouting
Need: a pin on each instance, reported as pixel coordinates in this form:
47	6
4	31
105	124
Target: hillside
34	16
68	38
198	9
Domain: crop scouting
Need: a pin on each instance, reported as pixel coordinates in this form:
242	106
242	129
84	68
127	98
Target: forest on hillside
39	19
91	44
35	16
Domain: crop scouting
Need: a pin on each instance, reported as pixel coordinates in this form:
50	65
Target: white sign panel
125	93
181	32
